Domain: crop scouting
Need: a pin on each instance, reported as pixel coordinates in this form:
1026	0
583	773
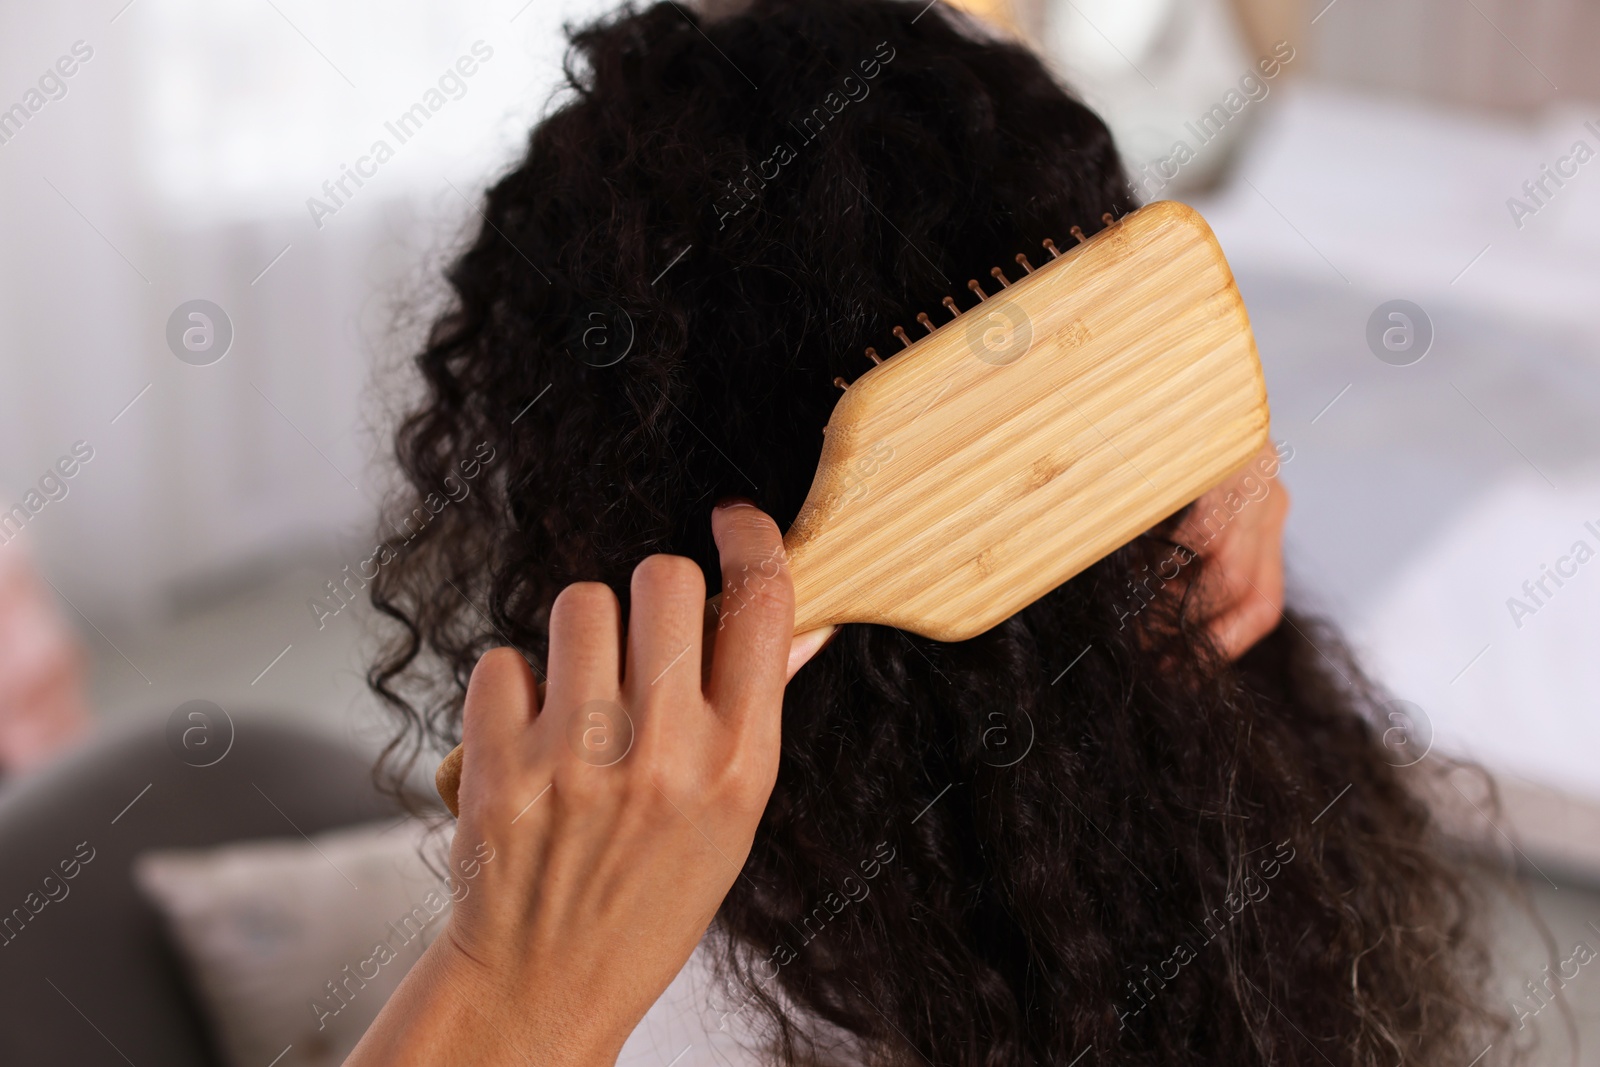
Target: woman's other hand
616	811
1237	528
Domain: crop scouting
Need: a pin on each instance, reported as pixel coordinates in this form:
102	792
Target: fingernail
735	502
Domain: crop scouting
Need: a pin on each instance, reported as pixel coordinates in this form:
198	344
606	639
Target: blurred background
202	312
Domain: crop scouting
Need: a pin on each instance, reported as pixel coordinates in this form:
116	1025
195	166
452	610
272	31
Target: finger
756	627
502	699
710	620
1197	530
1245	623
1277	508
801	651
666	615
1249	609
805	646
585	643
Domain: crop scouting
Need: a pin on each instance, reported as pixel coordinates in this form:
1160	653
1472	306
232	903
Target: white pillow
294	945
268	928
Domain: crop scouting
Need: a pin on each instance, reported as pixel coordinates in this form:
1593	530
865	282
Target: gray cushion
89	979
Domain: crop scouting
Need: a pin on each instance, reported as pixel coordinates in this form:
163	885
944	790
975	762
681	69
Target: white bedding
1426	495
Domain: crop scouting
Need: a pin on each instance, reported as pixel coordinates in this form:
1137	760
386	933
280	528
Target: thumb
807	645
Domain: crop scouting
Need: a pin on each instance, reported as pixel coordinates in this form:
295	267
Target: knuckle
674	777
495	808
746	778
585	785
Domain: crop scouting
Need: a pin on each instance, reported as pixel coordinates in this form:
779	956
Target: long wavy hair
1079	831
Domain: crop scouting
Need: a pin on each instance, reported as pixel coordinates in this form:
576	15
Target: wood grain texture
1033	434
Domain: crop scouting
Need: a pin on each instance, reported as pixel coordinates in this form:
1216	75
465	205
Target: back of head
1081	829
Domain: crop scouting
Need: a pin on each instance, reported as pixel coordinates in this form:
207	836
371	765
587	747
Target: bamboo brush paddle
1023	439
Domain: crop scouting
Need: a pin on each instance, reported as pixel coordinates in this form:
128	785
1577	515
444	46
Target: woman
1143	821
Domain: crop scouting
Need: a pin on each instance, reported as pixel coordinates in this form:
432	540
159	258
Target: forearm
531	970
447	1011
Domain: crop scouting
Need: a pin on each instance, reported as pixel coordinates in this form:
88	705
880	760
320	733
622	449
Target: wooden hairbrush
1023	439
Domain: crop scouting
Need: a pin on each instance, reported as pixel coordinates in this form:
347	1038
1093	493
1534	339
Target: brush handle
823	595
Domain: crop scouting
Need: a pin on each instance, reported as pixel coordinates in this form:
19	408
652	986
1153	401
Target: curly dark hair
1192	861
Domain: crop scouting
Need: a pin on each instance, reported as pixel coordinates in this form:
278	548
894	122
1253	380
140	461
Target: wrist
454	1008
529	1014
